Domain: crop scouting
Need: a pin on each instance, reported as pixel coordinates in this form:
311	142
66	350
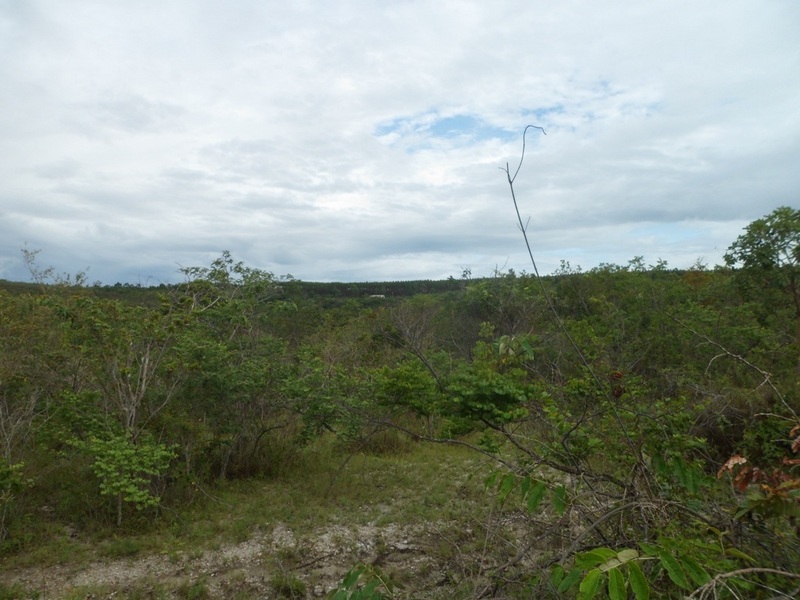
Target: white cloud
362	140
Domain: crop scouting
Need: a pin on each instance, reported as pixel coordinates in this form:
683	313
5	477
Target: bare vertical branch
523	228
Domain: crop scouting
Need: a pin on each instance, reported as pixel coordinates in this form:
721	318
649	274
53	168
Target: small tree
125	468
768	254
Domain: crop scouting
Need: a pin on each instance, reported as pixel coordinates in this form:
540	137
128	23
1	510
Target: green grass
413	483
196	590
16	592
288	586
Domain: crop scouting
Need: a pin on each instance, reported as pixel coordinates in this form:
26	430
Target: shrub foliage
642	420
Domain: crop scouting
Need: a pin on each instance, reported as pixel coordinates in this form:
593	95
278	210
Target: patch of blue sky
467	126
546	117
543	115
399	126
430	126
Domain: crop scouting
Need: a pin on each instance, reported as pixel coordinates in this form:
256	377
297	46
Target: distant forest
331	291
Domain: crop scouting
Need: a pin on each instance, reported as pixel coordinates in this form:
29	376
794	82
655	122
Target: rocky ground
426	559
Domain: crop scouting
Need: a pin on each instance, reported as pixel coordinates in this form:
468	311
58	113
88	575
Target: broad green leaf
557	575
639	585
536	495
685	474
570	580
525	486
588	560
674	570
695	570
590	585
649	549
526	346
492	478
352	577
506	486
593	558
627	554
616	585
619	559
370	588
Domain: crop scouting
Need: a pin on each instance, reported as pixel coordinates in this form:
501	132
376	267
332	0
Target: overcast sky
363	140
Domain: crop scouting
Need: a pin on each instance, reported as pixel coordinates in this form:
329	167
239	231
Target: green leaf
627	554
739	554
557	575
526	346
639	585
525	486
712	529
619	559
570	580
536	495
608	553
506	486
649	549
684	474
352	577
616	585
590	585
593	558
370	588
695	570
659	464
674	570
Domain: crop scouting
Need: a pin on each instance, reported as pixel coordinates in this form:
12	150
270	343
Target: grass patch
287	586
83	591
16	592
420	483
121	547
193	590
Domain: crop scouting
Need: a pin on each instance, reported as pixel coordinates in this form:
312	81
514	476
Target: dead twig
709	588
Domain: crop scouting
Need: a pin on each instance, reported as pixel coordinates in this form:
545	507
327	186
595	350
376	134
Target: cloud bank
363	140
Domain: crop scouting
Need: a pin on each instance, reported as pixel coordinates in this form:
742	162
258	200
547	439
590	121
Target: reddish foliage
795	433
777	483
617	387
